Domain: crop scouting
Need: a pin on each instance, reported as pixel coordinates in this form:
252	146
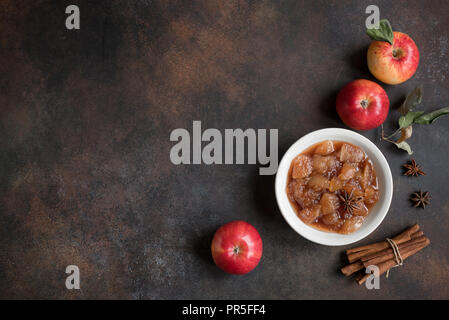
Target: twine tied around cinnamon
397	255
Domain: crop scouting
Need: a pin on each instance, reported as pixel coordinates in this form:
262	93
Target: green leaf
383	33
409	118
414	98
404	146
429	118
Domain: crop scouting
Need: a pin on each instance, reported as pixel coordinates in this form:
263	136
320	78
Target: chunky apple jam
332	186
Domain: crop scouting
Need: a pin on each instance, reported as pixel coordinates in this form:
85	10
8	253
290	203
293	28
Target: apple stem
364	103
236	250
393	134
388	138
397	53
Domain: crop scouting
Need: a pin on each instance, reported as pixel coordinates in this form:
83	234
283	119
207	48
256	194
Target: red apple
362	104
237	247
393	64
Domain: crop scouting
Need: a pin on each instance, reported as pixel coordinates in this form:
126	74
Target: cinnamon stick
406	247
359	277
410	230
417	234
355	254
387	265
378	257
351	268
390	250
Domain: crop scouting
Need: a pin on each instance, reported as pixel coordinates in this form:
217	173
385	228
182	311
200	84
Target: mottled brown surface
85	175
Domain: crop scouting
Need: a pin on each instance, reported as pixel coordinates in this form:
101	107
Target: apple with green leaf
393	57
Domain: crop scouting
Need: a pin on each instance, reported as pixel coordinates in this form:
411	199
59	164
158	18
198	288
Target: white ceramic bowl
377	213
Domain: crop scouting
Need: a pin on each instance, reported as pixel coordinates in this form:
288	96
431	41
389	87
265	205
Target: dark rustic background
85	175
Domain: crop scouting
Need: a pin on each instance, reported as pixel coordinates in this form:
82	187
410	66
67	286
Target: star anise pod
420	199
413	169
350	203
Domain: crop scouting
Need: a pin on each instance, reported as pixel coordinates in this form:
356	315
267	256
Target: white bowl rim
378	212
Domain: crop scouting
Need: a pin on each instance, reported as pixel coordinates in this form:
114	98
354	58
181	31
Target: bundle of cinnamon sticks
382	254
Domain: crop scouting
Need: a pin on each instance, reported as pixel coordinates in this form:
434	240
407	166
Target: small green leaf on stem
409	118
404	146
383	33
430	117
414	98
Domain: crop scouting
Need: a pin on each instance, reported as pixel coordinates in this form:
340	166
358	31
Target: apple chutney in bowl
332	186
